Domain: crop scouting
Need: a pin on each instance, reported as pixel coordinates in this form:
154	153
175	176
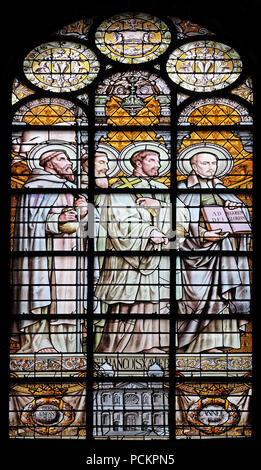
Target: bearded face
61	166
149	166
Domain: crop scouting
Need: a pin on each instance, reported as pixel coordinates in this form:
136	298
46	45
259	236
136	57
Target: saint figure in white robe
137	284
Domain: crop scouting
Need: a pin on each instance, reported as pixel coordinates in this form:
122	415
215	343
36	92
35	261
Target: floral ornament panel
200	364
61	66
79	29
33	365
133	38
204	66
245	90
20	91
186	28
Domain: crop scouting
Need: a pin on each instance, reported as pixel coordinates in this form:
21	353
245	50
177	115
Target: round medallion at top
133	38
204	66
61	66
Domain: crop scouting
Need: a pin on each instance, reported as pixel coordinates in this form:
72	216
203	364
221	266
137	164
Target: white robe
45	284
135	284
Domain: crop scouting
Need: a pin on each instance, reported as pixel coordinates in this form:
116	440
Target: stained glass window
61	66
131	234
204	66
133	98
133	38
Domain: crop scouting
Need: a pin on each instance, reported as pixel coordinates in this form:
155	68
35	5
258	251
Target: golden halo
113	158
128	151
224	158
50	145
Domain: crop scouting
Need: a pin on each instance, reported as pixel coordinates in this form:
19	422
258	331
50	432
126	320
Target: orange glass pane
214	114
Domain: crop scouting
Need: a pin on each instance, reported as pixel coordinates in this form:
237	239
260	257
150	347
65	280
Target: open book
228	220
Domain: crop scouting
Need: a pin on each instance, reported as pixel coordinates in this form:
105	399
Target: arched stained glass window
131	233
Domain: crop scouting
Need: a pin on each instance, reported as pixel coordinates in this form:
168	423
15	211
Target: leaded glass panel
131	234
204	66
133	38
61	66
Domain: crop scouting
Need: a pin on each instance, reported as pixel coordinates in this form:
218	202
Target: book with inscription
228	220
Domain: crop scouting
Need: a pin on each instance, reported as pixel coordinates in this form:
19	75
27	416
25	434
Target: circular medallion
47	416
61	66
204	66
133	38
213	415
131	399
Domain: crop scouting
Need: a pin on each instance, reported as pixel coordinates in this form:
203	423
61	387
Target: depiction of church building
130	408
